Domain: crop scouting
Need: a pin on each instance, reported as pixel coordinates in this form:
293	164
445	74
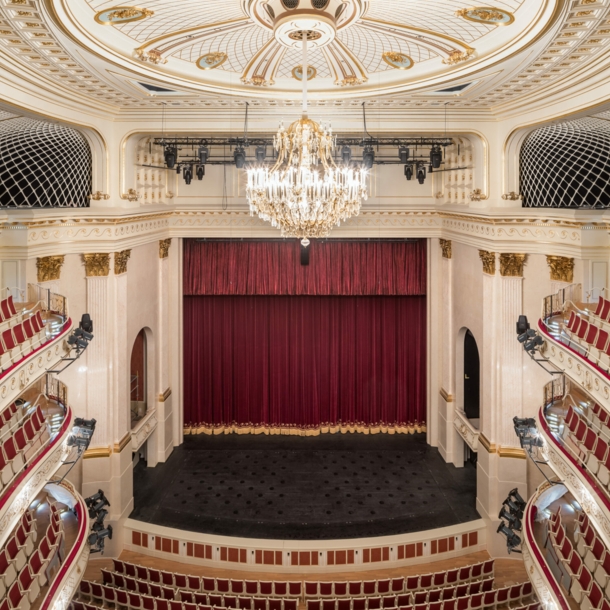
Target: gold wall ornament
511	265
122	14
96	265
562	268
477	195
486	14
48	268
397	60
120	261
153	56
164	245
512	196
489	261
209	61
98	196
132	195
445	247
457	57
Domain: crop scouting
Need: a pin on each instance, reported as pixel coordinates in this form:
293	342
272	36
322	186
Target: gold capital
446	247
562	268
120	261
96	265
49	267
511	265
489	261
164	245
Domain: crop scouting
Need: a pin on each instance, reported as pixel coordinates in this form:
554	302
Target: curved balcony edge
16	379
577	368
547	589
578	481
72	570
29	483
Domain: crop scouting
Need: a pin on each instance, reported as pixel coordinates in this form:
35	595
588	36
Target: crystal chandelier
305	194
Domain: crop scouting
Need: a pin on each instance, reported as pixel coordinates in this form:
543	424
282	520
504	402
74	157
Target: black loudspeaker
304	255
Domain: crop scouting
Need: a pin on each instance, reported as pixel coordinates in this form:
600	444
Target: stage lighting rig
187	173
346	155
368	157
526	431
436	157
86	323
514	523
171	155
511	515
421	173
260	154
532	341
239	157
512	540
408	172
96	504
77	342
403	154
203	153
200	172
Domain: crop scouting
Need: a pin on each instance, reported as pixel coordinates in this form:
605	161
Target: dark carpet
286	487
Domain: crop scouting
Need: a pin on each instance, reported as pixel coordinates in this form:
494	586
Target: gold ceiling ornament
48	268
561	267
351	81
489	261
122	14
209	61
120	261
511	265
297	72
153	56
97	265
258	81
512	196
164	245
397	60
486	14
457	57
445	247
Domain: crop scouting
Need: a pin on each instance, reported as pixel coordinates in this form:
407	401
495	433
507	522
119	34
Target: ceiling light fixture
305	194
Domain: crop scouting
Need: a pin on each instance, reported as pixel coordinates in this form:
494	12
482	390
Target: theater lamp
513	521
512	540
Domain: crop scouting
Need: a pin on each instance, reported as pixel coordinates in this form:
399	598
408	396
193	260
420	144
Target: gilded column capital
164	245
120	261
97	265
445	247
511	265
489	261
49	267
562	268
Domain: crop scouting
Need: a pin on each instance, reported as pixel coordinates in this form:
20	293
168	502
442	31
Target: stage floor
287	487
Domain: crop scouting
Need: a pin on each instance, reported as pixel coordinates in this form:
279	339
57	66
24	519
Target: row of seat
582	587
20	340
590	338
21	447
317	589
9	314
10	416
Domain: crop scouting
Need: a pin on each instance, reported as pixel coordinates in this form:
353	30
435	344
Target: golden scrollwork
258	81
49	268
209	61
129	13
562	268
512	196
445	247
477	195
132	195
457	57
511	265
97	265
98	196
164	245
489	261
153	56
351	81
120	261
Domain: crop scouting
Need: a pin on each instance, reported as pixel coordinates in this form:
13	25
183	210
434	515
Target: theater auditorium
304	305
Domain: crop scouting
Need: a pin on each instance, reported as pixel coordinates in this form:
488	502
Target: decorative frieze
164	245
120	261
49	268
96	265
445	247
562	268
511	265
489	261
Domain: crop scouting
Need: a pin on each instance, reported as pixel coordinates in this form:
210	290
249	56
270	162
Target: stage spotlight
239	156
97	539
81	434
436	157
96	503
421	174
514	523
261	153
403	154
200	172
86	323
170	157
532	344
408	172
187	173
512	540
368	157
178	168
528	334
526	431
74	341
346	154
516	497
204	153
522	325
83	334
430	168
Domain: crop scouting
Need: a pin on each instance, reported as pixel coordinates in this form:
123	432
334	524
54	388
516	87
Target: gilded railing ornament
445	247
512	196
120	261
562	268
49	268
97	265
511	265
98	196
489	261
164	245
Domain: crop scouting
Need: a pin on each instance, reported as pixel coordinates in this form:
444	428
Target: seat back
6	310
8	339
591	335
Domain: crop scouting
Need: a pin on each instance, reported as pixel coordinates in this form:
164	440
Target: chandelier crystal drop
305	194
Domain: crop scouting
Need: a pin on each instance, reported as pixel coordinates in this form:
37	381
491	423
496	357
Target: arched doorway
471	379
138	379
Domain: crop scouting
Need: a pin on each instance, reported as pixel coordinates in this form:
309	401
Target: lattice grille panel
567	165
43	165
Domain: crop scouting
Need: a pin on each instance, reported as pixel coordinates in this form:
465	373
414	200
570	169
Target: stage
305	488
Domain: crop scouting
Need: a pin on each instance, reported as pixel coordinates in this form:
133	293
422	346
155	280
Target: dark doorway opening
471	378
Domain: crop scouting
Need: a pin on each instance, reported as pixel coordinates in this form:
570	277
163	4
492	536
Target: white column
175	337
434	343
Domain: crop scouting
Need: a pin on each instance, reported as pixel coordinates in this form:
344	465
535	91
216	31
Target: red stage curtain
304	364
349	268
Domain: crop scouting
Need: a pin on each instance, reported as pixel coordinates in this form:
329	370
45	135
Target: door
471	377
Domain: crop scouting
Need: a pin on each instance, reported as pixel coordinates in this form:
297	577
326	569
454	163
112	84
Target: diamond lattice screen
567	165
43	165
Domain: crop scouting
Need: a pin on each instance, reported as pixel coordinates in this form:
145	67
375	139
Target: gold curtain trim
297	431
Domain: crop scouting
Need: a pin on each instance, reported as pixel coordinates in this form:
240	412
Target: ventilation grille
320	5
567	165
290	4
43	165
